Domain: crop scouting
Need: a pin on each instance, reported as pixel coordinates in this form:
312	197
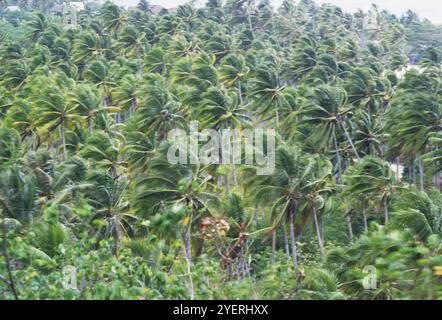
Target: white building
12	9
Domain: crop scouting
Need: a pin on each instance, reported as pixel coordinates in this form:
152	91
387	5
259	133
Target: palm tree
232	71
52	111
18	201
271	97
368	133
158	111
133	44
371	177
37	26
415	210
113	18
285	190
327	111
104	150
87	101
108	197
412	120
221	111
176	184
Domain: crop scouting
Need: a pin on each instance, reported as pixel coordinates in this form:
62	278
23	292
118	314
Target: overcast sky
431	9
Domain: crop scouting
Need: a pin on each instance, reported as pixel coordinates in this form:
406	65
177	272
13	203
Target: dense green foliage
91	208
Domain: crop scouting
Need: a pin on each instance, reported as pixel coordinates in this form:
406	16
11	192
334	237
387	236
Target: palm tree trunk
318	232
286	242
364	219
273	246
437	180
397	169
62	141
117	237
188	256
411	172
241	99
350	141
350	228
11	282
421	172
235	179
338	157
437	175
292	235
256	217
385	204
249	18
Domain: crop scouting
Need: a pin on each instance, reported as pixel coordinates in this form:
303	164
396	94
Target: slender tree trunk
338	157
437	180
364	219
235	178
116	234
292	235
188	255
10	282
241	99
286	242
249	18
273	246
397	169
437	175
385	205
62	141
318	232
421	173
256	217
350	141
350	228
411	171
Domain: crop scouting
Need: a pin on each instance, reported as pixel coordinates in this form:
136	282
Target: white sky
431	9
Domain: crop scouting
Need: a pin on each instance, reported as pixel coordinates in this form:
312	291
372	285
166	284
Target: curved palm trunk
318	232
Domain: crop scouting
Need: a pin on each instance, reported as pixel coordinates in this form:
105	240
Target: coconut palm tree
286	189
53	112
371	177
417	211
327	111
177	184
108	197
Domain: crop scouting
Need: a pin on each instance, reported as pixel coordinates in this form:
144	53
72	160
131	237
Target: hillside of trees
90	207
